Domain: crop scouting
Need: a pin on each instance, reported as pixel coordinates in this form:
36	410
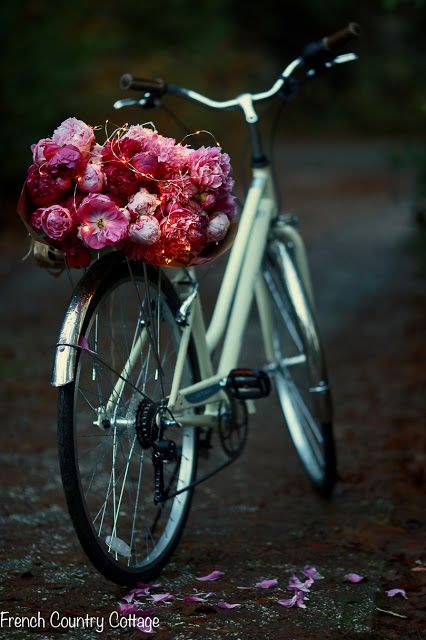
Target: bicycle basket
157	200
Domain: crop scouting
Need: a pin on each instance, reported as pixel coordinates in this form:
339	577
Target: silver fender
66	349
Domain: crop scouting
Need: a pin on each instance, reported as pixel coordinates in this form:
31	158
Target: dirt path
259	518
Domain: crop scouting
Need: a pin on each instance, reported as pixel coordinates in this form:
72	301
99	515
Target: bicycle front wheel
300	373
108	424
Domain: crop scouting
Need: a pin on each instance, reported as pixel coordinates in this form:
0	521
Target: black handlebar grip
316	53
342	37
156	85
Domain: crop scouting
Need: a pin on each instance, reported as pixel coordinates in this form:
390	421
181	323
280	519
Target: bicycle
139	397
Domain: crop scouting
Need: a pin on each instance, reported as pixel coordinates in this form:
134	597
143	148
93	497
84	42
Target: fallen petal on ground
353	577
211	577
294	584
265	584
227	605
162	597
194	599
311	572
396	592
295	601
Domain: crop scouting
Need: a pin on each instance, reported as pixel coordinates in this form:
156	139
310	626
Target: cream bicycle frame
242	281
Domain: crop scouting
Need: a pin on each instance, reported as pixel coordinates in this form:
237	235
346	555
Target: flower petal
194	598
126	609
226	605
311	572
353	577
294	584
211	577
296	601
267	584
396	592
162	597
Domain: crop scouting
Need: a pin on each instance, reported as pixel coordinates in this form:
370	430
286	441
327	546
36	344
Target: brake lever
341	59
148	101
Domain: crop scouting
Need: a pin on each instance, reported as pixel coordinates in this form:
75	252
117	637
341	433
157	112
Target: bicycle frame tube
236	293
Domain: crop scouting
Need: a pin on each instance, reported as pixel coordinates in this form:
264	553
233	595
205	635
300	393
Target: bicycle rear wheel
300	373
108	423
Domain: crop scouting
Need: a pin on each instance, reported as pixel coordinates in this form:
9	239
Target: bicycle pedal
248	384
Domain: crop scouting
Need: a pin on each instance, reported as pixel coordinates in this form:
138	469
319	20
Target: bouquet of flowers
155	199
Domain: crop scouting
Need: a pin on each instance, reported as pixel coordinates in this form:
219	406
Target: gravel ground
258	519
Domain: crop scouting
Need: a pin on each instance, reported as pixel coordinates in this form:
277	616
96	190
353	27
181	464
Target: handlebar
316	56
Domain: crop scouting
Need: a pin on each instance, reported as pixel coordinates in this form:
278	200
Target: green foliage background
60	59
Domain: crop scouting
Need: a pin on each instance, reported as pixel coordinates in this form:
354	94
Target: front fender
66	349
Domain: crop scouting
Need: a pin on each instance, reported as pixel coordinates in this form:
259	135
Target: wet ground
258	519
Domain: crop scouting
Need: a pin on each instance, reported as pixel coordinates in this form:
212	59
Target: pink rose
66	162
75	132
143	203
92	180
44	189
43	150
146	230
217	228
102	222
56	222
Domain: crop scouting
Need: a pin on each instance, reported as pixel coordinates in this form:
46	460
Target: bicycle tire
86	486
300	375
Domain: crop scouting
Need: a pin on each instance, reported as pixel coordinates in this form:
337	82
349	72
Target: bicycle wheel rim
108	475
304	399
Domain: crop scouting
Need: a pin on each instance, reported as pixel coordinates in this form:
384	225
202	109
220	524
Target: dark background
64	59
349	152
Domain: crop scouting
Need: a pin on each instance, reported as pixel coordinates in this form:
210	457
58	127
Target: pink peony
120	149
145	164
226	204
102	222
144	135
96	154
177	192
120	180
217	228
43	150
146	230
143	203
75	132
92	180
209	167
184	233
43	188
66	162
173	156
56	222
207	200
